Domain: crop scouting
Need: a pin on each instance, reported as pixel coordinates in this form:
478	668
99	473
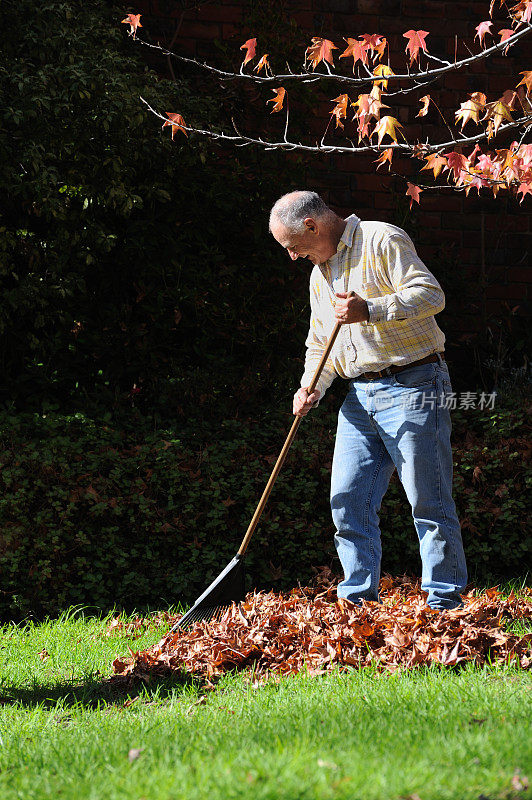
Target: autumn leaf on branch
250	47
375	42
425	107
263	64
524	189
386	156
386	126
482	30
495	113
320	50
382	69
278	99
436	163
471	109
527	81
176	122
413	193
456	162
416	41
133	20
523	11
340	109
506	34
358	51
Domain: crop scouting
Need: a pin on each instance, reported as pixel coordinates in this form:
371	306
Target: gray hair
293	208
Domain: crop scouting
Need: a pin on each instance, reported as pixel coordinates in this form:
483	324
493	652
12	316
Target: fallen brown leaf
271	634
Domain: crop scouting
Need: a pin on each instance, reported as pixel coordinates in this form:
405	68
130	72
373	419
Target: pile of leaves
271	633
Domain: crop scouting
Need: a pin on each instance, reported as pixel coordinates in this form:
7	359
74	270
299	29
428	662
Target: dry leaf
271	634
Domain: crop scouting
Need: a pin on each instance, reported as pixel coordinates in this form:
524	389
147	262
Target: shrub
103	515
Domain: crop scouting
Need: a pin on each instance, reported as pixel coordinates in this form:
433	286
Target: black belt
384	373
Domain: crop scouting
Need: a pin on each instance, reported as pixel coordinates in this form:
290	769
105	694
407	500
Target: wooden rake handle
289	439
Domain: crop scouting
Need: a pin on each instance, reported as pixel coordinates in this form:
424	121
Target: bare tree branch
422	77
406	148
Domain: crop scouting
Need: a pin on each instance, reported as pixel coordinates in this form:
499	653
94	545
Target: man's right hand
303	401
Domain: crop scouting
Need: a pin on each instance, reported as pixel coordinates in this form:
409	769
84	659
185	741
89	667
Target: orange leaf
320	50
382	159
524	9
413	193
425	107
340	109
386	125
263	63
133	20
382	69
176	122
435	163
482	30
359	51
278	99
250	46
375	42
527	81
416	40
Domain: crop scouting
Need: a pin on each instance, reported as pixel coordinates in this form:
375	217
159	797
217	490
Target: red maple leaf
525	188
133	20
250	47
359	51
176	122
413	193
320	50
416	40
457	162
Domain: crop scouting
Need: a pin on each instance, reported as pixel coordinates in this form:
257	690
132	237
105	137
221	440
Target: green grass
65	733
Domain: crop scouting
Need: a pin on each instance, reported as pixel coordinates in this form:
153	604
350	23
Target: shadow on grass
97	692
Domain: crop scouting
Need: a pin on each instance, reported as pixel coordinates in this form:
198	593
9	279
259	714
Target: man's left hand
350	308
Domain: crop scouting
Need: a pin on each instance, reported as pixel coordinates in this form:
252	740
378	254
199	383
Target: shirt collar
346	239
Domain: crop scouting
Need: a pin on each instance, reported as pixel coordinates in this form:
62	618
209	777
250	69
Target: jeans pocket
416	377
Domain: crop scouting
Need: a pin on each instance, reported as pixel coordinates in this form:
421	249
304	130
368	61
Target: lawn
431	733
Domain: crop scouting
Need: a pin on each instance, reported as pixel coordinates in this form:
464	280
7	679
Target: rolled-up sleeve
414	291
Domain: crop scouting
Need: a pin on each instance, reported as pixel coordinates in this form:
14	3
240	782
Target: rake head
227	588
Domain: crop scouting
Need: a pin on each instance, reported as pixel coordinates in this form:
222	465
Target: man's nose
293	254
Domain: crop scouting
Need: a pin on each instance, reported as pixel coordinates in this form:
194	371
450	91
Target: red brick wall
445	221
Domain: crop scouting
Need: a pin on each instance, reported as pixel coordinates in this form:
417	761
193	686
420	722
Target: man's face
310	244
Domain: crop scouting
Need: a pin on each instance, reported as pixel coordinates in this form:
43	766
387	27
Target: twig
421	76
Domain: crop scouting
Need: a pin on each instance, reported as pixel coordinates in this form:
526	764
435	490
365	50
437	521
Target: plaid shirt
379	262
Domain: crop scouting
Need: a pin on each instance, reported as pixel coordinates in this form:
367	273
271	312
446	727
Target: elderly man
368	276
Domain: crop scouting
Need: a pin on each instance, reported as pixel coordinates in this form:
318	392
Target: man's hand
303	401
351	308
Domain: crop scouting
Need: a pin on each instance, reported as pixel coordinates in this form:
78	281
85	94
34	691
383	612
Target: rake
229	586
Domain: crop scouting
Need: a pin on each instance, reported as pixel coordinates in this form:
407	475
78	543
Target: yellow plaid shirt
379	262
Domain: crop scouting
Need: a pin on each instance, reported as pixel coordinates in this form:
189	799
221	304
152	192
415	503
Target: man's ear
310	224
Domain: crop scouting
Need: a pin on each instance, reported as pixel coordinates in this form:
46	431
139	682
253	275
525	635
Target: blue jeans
397	422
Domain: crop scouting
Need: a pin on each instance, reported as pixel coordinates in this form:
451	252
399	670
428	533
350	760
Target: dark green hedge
99	515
